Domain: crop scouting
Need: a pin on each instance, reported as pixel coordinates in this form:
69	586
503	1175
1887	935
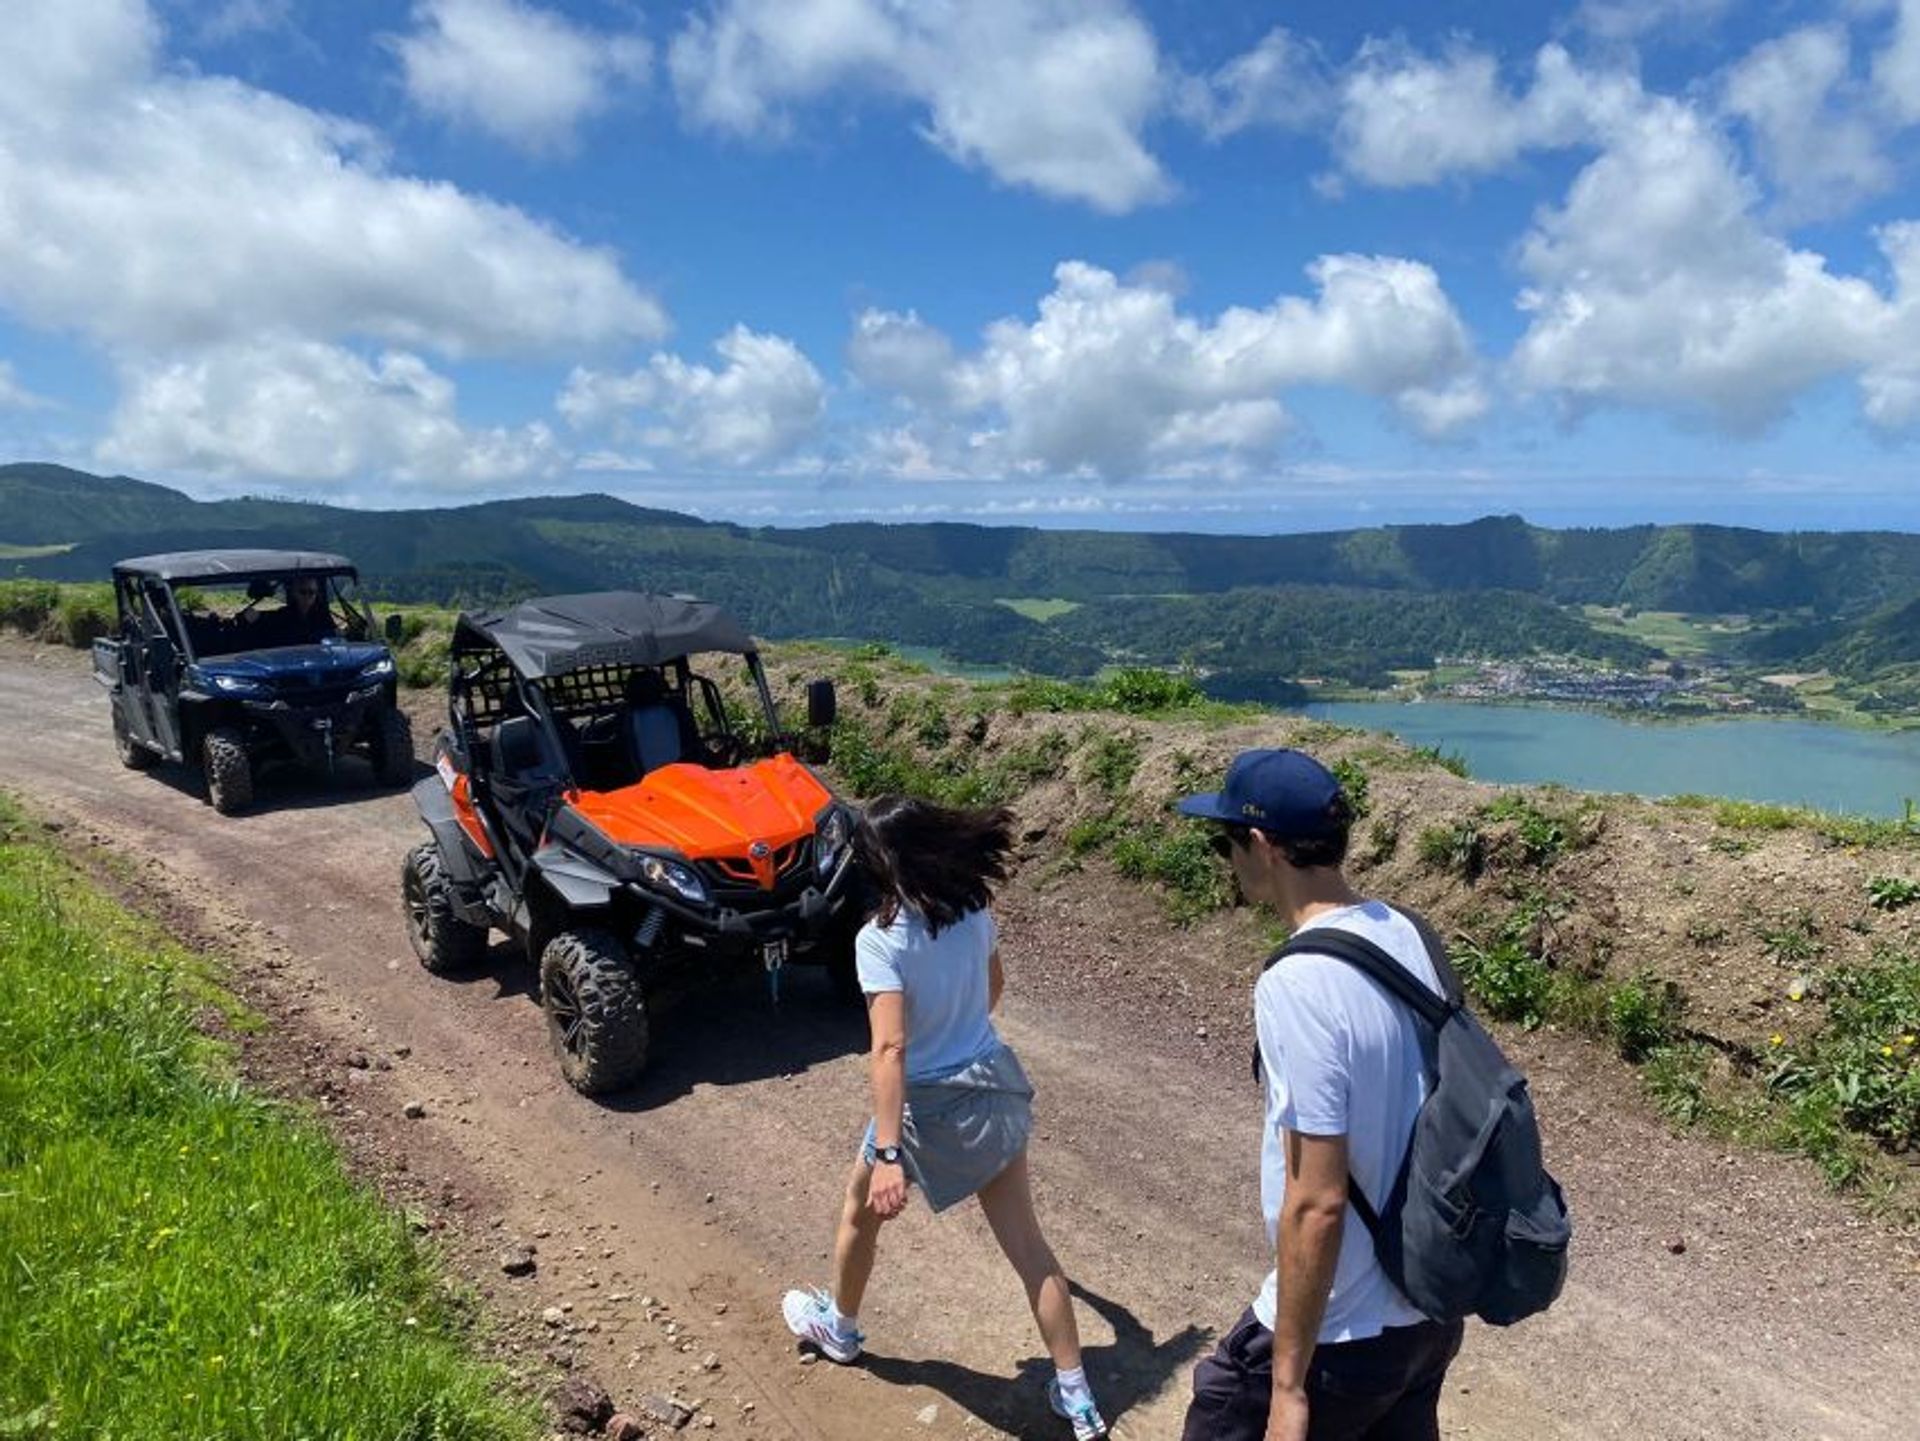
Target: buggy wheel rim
419	915
564	1014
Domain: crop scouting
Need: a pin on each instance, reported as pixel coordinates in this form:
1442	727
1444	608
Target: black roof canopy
560	633
231	564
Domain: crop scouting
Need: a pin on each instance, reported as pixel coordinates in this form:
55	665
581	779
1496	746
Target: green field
1036	608
1679	635
185	1259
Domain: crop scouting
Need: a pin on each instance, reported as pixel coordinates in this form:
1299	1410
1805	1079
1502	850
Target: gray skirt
963	1128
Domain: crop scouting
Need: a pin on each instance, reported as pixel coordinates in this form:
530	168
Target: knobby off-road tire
393	748
445	944
133	755
223	756
596	1011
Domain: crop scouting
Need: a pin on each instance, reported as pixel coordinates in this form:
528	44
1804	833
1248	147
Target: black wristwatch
886	1155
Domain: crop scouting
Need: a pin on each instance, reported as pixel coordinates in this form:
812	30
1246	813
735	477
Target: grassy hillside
1500	580
1760	966
184	1258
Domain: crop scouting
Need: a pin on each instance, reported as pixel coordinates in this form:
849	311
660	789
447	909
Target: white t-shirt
1341	1057
945	981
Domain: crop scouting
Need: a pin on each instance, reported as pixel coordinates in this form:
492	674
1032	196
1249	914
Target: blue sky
1090	262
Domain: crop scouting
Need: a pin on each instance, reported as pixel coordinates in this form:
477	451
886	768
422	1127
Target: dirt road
1715	1294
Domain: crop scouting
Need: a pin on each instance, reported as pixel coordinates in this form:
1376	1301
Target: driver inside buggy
222	619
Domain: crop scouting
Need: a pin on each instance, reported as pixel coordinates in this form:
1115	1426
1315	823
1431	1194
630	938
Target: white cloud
1890	386
1896	69
1823	156
1407	119
299	410
1631	19
14	395
1048	94
1282	82
1113	380
522	74
1654	284
236	19
756	410
148	210
902	354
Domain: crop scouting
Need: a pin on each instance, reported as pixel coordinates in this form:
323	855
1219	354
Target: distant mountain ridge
941	583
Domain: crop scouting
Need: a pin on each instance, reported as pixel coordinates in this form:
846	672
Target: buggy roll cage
142	585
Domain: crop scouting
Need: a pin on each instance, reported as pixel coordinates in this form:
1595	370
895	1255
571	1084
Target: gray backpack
1474	1225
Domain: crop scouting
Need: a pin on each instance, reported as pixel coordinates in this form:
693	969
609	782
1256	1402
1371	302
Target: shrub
1791	939
1892	893
1111	760
1180	859
1447	760
1641	1015
1138	690
1458	848
1383	837
26	604
1355	783
1510	981
1676	1077
1863	1067
82	619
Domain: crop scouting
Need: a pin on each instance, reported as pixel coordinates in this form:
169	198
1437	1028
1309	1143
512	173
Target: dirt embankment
1717	1291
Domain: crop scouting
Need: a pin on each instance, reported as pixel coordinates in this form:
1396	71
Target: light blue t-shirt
944	978
1341	1057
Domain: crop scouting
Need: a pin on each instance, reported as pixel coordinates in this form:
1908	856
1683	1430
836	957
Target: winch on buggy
596	799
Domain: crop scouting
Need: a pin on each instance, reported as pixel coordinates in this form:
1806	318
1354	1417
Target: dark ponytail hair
941	861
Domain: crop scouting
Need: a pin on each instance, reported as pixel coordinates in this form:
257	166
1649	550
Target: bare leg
855	1243
1008	1202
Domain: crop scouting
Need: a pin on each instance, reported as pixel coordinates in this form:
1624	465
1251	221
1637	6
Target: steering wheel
723	751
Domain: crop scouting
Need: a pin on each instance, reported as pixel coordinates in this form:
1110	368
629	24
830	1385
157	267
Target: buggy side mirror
394	629
261	589
822	704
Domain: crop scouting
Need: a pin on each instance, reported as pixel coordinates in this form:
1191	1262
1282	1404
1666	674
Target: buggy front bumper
313	734
724	930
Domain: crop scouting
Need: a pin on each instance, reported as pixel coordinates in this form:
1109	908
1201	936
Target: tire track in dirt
713	1184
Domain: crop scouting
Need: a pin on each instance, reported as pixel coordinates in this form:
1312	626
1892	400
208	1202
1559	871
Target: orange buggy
597	799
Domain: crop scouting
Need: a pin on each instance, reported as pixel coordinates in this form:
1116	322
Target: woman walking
952	1108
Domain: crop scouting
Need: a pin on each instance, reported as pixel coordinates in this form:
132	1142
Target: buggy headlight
665	875
233	684
830	840
377	669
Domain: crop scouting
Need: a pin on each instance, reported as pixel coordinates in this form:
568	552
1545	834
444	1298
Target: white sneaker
810	1317
1087	1425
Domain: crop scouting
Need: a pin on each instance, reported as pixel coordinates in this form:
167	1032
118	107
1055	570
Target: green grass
183	1258
1892	893
1194	881
1846	830
1130	690
1040	609
1674	632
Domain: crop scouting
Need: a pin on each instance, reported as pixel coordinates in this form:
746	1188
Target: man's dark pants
1386	1388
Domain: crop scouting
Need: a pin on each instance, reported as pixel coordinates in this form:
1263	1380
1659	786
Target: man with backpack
1358	1020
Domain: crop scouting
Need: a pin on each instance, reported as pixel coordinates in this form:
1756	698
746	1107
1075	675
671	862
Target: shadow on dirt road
1134	1368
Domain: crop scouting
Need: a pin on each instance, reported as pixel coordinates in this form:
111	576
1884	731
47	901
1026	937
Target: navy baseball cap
1286	792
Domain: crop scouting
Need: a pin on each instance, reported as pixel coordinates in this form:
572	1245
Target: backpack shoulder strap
1437	953
1364	956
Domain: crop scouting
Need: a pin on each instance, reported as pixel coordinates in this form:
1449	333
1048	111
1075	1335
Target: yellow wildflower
1776	1039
